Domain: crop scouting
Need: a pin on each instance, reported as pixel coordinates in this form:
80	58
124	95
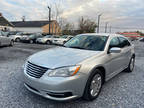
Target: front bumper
56	88
40	42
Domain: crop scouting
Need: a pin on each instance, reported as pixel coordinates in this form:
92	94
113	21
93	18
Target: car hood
60	56
60	39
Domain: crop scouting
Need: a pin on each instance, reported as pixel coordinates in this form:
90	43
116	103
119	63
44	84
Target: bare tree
86	25
58	13
68	29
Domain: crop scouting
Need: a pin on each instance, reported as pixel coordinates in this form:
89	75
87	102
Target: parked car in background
13	32
80	67
31	38
141	39
62	39
5	40
47	39
18	36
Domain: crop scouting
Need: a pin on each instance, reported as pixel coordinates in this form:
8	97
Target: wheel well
48	41
102	69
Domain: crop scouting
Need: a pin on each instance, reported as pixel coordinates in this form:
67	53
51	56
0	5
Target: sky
120	14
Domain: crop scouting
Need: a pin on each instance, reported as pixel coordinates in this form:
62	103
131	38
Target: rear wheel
48	42
17	39
131	65
93	86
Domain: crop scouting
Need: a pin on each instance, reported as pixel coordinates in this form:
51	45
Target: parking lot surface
125	90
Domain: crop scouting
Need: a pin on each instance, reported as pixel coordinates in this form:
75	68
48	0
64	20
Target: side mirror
115	50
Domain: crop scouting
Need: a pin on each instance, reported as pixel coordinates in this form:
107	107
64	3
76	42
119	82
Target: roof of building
30	23
4	22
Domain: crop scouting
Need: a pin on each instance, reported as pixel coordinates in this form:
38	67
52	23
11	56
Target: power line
112	27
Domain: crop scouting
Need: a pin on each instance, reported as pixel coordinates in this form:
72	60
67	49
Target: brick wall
55	29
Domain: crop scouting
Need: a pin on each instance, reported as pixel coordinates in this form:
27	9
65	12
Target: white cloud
116	12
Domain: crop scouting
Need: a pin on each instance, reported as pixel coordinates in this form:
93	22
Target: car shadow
4	46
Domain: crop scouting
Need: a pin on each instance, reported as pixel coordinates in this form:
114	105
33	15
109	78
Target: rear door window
124	42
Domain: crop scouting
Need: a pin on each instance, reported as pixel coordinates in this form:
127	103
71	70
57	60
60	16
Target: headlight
64	72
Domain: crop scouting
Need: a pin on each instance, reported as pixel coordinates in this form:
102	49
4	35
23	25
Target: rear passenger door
125	50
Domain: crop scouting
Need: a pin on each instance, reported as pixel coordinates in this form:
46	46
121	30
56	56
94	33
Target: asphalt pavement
126	90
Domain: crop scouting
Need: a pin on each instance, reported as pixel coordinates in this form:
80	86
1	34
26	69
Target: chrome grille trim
35	70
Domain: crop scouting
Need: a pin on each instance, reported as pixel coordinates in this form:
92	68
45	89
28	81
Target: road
125	90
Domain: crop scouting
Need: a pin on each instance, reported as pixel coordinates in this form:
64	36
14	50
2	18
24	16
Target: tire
131	65
64	42
48	42
31	41
11	43
17	39
88	94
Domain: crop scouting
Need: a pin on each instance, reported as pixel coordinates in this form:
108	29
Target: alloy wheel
132	64
96	84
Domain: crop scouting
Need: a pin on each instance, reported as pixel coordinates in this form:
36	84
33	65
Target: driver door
115	60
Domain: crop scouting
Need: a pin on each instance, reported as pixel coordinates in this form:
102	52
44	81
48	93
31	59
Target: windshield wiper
77	47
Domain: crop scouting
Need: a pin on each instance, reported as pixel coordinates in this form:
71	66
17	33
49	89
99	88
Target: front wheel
93	86
12	43
31	42
131	65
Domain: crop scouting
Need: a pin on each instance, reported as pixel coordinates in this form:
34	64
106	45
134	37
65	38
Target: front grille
35	70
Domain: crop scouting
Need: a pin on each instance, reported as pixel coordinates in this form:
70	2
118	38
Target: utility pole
106	27
23	18
49	20
98	22
110	29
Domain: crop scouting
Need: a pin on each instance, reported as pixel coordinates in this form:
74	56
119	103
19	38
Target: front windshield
48	36
65	36
56	37
0	33
20	33
5	33
88	42
32	36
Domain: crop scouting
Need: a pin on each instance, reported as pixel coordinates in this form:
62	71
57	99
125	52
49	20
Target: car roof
103	34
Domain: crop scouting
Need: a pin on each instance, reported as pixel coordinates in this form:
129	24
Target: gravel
125	90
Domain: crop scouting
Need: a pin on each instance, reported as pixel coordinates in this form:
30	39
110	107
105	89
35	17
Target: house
37	26
5	25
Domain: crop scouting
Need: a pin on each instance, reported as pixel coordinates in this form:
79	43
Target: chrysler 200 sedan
80	67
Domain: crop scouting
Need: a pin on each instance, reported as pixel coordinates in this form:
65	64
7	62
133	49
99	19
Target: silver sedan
5	40
80	67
